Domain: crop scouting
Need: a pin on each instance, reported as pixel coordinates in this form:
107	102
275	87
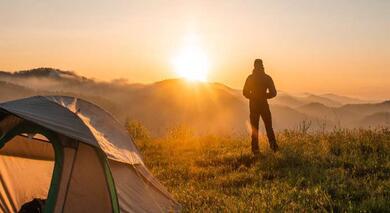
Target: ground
342	170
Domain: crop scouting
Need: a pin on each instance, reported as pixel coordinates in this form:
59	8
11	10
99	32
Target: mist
206	108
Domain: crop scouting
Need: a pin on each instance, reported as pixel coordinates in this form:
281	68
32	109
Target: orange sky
307	46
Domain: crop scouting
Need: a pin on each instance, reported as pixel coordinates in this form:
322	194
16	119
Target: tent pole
110	181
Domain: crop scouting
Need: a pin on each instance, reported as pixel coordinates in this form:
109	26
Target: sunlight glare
191	63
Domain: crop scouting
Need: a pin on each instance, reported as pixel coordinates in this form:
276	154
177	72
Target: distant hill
376	119
317	110
330	100
343	99
10	91
366	109
310	98
206	107
43	74
287	100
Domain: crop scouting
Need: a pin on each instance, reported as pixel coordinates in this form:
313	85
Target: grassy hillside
342	170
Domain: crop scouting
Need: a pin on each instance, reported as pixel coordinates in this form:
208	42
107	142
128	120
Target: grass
343	170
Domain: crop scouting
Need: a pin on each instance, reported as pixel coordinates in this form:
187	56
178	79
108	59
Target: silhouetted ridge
43	72
376	119
314	105
184	82
342	99
203	106
323	100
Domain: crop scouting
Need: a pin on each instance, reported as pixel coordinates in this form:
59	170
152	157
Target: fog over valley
204	107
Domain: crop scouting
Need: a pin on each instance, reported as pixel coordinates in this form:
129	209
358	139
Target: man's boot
255	147
273	145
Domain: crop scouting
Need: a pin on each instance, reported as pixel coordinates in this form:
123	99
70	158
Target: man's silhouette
258	88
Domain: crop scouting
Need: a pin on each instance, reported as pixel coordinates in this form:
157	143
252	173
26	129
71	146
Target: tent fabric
21	182
23	178
48	114
80	120
23	147
8	123
87	190
110	135
83	130
136	192
69	157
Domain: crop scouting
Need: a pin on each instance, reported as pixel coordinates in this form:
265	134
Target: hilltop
336	171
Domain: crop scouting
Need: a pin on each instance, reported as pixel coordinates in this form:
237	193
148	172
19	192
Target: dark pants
257	109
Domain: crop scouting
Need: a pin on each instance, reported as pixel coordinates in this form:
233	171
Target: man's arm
271	89
247	89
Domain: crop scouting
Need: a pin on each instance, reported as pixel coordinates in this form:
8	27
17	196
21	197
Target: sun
191	62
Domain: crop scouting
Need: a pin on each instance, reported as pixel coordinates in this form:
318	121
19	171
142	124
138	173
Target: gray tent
75	155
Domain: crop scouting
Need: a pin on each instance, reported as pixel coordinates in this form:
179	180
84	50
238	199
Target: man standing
258	88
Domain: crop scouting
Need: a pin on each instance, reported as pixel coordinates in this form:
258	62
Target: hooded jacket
259	86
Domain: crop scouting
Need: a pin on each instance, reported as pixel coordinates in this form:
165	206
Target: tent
76	156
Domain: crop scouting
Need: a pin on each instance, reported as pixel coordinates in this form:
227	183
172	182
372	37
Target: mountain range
204	107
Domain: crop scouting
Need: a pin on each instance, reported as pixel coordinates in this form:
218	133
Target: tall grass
343	170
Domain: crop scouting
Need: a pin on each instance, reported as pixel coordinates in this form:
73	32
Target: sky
328	46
